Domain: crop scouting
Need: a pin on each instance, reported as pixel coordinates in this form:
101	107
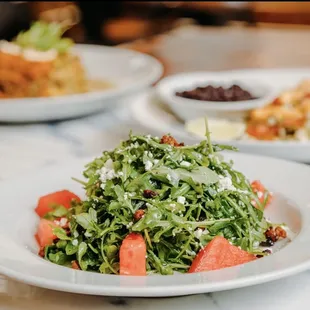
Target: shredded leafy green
43	37
196	195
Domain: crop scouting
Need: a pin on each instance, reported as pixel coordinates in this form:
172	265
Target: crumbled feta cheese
198	233
75	242
63	221
181	200
129	225
225	183
107	174
148	165
191	253
75	234
185	163
88	234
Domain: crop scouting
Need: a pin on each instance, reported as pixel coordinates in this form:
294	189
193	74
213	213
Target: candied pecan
280	232
170	140
75	265
148	193
271	235
138	215
274	234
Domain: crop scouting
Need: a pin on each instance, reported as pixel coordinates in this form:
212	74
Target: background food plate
128	71
149	111
18	249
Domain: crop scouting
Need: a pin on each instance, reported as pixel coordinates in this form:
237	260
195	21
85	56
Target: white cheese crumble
198	233
75	234
108	173
181	200
129	225
225	183
148	165
88	234
190	253
63	221
75	242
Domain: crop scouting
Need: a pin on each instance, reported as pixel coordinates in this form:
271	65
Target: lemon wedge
221	129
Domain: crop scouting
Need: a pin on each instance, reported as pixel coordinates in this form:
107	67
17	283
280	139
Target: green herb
190	208
43	37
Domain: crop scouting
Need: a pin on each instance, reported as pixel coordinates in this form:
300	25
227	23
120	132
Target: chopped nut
170	140
274	234
271	235
280	232
148	193
138	215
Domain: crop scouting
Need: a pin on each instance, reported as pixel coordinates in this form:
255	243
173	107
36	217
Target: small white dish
158	119
18	249
127	70
191	108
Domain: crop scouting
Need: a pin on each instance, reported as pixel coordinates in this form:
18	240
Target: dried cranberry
148	193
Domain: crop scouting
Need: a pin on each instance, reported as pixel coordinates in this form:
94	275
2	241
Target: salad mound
151	206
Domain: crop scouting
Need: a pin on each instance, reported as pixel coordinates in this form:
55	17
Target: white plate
158	118
191	108
18	249
130	71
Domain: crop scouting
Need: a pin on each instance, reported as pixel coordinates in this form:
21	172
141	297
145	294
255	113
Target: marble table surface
26	148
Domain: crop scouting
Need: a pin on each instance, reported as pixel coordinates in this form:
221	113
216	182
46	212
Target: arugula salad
154	206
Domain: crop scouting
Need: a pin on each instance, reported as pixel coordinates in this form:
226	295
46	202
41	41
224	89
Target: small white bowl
191	108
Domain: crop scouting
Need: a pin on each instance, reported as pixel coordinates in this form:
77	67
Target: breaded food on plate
39	63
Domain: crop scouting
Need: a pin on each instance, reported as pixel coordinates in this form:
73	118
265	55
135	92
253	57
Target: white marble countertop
25	148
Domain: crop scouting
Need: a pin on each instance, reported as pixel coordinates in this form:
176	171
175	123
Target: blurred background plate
159	119
128	71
